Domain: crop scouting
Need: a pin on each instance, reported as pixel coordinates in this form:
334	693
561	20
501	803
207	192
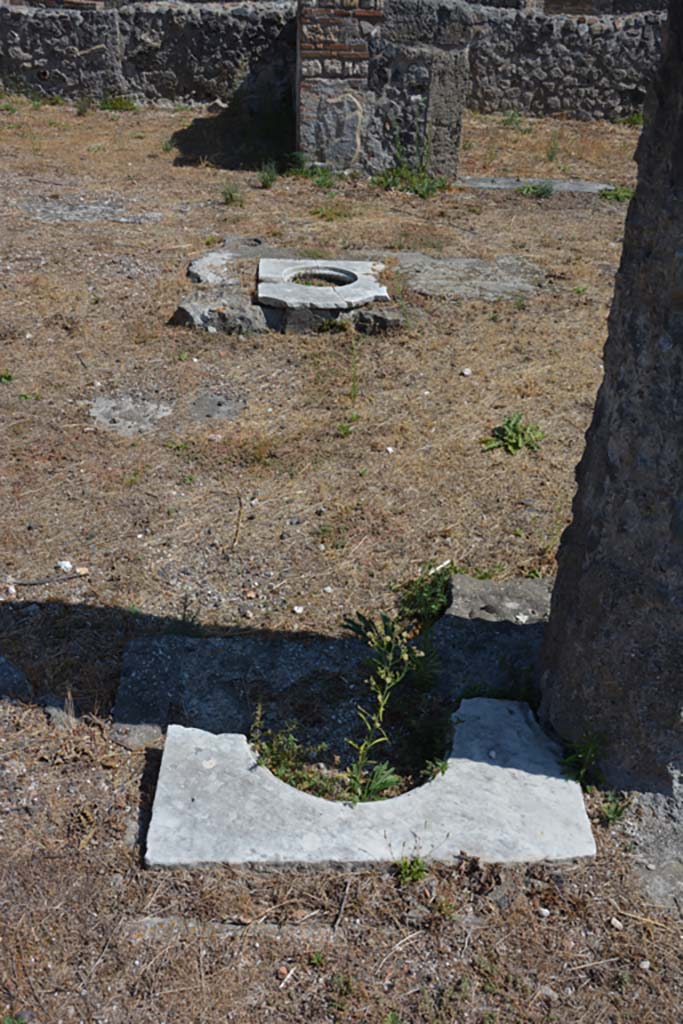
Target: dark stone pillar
613	654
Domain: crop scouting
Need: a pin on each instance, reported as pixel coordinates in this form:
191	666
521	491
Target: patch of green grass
331	211
512	119
394	1017
538	190
634	120
345	428
404	178
410	869
231	196
618	194
267	175
435	767
333	326
211	240
117	103
316	959
581	761
321	176
167	146
8	108
6	377
292	762
553	147
513	435
520	303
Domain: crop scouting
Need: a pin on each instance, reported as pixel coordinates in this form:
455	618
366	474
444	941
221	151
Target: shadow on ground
257	126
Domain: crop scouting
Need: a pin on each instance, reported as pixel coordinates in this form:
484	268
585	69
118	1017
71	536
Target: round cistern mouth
320	277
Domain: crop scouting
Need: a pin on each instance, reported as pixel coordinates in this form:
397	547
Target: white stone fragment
520	809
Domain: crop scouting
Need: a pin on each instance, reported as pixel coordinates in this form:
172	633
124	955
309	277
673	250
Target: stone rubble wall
151	51
586	67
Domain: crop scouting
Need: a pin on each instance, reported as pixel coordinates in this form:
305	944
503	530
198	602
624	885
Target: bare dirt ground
231	525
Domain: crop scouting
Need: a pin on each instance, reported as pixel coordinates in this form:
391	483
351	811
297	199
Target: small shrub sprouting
410	869
513	435
232	196
283	755
393	658
634	120
618	194
117	103
537	190
322	177
267	175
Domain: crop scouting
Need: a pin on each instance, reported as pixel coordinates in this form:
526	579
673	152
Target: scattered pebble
465	372
65	565
644	965
327	590
616	923
298	609
651	867
391	450
492	754
543	912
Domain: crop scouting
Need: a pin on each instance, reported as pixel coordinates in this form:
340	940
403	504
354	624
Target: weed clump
513	435
618	194
537	190
404	178
117	103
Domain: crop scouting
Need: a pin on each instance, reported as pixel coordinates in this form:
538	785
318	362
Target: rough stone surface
13	683
214	684
411	74
215	267
217	405
222	309
509	184
382	80
503	799
490	638
505	277
64	211
613	656
128	415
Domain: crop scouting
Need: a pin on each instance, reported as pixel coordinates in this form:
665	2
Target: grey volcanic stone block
211	683
223	309
128	415
502	799
505	277
490	638
13	683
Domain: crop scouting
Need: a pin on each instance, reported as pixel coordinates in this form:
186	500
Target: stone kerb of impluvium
352	284
382	81
503	798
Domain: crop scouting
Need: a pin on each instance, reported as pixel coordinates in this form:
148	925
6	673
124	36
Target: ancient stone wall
582	67
378	81
518	59
152	51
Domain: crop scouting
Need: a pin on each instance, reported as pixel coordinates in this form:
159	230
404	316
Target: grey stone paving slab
489	640
503	799
225	309
65	211
212	683
559	185
217	405
505	277
215	267
128	415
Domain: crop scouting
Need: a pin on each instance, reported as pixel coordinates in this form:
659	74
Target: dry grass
230	525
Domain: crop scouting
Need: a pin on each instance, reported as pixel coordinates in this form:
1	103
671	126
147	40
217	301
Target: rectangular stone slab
503	799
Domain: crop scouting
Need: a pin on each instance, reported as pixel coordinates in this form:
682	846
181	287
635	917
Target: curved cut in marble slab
354	283
503	798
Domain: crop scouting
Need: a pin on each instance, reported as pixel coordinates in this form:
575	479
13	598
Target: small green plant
410	869
618	194
322	177
634	120
316	959
282	753
511	119
393	658
267	175
614	806
553	147
117	103
332	211
404	178
231	197
513	435
393	1017
537	190
167	146
8	108
84	105
581	761
333	326
424	599
432	769
211	240
6	377
581	289
520	303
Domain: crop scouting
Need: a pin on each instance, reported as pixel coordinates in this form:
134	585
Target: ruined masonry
376	84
